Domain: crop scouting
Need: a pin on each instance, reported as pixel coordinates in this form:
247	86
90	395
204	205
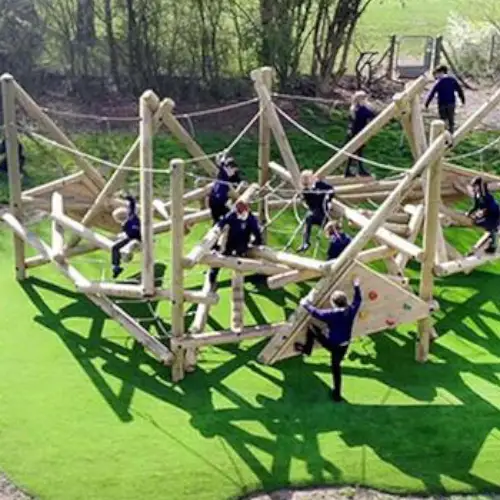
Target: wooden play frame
416	202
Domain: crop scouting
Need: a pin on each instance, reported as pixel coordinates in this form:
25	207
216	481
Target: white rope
279	214
479	151
290	97
85	116
318	139
221	109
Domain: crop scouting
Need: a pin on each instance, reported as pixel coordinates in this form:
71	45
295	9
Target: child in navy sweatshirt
360	114
485	212
316	194
131	226
339	320
243	225
338	239
20	155
219	195
446	89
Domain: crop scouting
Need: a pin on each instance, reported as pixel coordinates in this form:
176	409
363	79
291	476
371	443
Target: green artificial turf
86	414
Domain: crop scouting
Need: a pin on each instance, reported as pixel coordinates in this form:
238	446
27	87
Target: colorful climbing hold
390	322
407	307
363	315
373	295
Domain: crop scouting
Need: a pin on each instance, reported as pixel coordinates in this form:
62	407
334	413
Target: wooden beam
35	113
201	316
418	127
264	145
56	185
457	218
238	301
146	132
288	259
281	172
111	309
433	200
159	206
464	265
276	126
414	228
182	135
190	219
176	250
242	265
229	337
371	129
41	260
8	85
57	229
338	267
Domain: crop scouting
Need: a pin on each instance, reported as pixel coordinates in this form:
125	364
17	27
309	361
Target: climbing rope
479	151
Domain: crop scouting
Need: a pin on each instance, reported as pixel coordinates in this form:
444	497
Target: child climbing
485	212
20	154
446	88
360	114
131	226
242	225
316	194
340	321
219	196
338	239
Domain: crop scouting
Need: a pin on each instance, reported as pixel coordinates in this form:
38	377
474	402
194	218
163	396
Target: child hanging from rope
360	114
446	88
316	194
485	212
20	155
219	196
242	225
339	320
131	226
338	239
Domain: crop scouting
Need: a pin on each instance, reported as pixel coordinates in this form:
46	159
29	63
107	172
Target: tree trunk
113	56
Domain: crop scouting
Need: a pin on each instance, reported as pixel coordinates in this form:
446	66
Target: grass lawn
86	414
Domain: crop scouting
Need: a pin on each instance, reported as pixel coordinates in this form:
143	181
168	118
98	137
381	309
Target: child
242	226
360	114
446	89
131	226
219	195
20	153
338	239
316	194
485	212
340	321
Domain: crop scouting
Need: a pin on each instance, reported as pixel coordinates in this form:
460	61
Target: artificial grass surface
85	414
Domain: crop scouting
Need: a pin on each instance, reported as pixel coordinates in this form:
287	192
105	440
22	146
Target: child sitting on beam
219	195
338	239
131	226
339	320
243	225
360	114
316	194
485	212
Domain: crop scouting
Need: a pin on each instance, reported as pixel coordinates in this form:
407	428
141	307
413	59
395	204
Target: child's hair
357	98
120	215
339	299
479	181
442	69
306	174
332	227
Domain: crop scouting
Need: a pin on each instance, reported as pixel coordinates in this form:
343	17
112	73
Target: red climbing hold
390	321
373	295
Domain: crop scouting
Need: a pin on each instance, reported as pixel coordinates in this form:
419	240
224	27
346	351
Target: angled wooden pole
264	146
433	200
276	126
338	267
146	190
238	301
176	249
35	112
371	129
57	229
14	169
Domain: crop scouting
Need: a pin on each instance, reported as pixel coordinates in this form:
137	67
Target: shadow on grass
422	440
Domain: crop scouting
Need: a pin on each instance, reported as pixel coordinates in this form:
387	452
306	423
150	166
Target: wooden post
176	249
418	127
433	199
276	126
57	229
14	169
238	301
33	110
146	189
264	146
392	57
300	318
201	316
414	226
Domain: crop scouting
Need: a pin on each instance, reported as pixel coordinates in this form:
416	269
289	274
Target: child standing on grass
338	239
446	88
485	212
131	226
360	114
340	321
